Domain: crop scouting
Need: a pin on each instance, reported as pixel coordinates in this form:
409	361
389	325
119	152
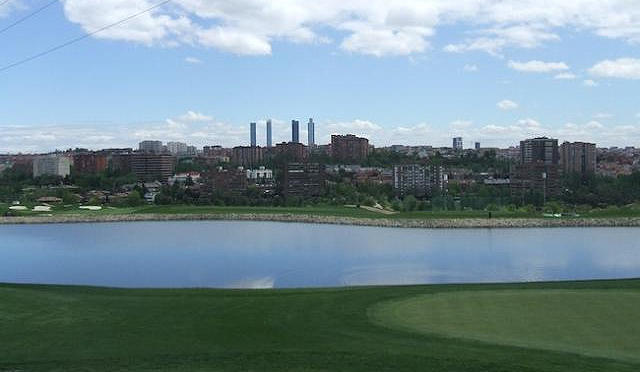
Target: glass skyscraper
295	131
311	135
269	143
253	135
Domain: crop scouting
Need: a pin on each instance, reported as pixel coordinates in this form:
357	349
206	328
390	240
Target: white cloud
625	68
565	76
148	28
358	127
235	41
192	116
602	115
537	66
367	39
461	124
193	60
507	104
199	130
497	38
594	125
589	83
471	68
373	27
11	6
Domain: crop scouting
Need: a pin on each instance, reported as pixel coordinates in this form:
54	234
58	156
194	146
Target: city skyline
395	72
255	140
279	131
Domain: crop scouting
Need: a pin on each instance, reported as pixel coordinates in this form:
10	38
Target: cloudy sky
400	72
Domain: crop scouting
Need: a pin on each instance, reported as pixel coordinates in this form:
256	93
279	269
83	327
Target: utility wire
80	38
4	2
45	6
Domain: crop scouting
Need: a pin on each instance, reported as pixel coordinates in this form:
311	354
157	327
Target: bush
369	201
94	201
134	199
396	204
410	203
552	207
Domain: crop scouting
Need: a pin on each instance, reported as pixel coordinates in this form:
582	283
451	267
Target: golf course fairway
595	323
560	327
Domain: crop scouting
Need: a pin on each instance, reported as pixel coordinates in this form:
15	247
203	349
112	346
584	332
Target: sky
414	72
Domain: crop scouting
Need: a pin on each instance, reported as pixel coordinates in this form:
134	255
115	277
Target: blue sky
399	72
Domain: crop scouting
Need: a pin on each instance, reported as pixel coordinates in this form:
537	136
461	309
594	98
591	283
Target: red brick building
89	163
349	148
290	151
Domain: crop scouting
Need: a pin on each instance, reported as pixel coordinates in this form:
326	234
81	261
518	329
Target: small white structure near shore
91	207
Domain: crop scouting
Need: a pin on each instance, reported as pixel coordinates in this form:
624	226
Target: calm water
268	254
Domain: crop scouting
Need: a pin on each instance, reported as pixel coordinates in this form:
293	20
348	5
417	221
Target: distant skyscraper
457	143
269	143
253	135
295	131
311	129
477	145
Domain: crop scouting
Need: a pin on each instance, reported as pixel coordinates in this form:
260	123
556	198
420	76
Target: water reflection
266	255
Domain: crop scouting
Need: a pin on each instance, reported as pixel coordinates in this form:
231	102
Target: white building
177	148
192	151
412	179
51	165
259	174
419	180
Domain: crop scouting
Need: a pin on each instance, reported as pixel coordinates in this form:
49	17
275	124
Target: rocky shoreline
434	223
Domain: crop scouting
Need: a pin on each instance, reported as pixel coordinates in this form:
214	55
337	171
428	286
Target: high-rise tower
311	135
269	142
457	143
253	135
295	131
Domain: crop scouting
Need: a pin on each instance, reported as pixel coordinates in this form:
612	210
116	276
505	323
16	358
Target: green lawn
46	328
595	323
340	211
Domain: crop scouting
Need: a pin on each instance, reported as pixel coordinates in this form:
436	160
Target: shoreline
431	223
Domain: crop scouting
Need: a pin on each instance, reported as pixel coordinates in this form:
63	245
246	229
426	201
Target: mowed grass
594	323
339	211
317	210
63	328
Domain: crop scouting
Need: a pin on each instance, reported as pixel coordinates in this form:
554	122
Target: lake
241	254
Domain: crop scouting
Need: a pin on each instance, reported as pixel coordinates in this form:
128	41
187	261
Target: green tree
134	199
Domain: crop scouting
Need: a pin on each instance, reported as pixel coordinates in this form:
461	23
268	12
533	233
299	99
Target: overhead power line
82	37
45	6
4	2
